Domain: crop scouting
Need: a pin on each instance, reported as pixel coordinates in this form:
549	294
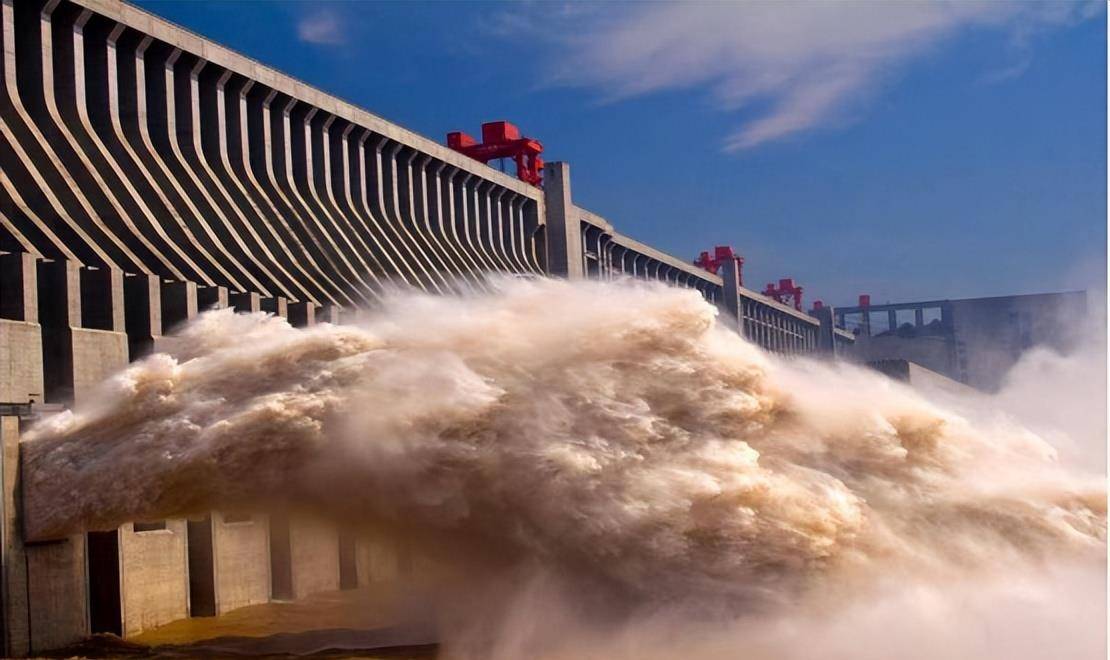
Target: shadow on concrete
395	642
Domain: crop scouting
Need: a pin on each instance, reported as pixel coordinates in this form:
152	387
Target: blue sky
910	151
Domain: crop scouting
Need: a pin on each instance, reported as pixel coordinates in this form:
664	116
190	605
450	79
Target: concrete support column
564	235
328	314
179	303
730	302
865	323
142	313
919	317
13	559
302	314
19	298
245	301
892	319
212	297
277	306
826	333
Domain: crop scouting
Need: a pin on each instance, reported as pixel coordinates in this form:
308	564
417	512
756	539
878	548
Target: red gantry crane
721	254
500	139
785	290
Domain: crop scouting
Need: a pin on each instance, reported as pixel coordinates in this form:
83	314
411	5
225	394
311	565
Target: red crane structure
721	254
785	290
500	139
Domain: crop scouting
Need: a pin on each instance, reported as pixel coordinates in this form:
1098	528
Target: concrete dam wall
149	174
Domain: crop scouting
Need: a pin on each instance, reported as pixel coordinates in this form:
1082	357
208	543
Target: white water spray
609	435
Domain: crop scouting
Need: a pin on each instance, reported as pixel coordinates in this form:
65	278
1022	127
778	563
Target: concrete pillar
731	302
277	306
211	297
826	333
377	560
892	319
19	300
13	561
314	554
946	319
241	560
179	303
245	301
304	556
865	323
328	314
301	314
919	317
564	235
142	296
154	584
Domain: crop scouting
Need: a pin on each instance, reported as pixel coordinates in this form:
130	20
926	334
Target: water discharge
626	476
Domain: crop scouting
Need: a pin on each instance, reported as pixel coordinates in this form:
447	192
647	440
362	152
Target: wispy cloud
321	27
793	66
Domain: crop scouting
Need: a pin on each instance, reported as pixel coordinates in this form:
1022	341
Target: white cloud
321	27
796	65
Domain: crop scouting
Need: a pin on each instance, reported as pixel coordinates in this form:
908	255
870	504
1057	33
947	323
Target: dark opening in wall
105	612
97	299
202	574
281	564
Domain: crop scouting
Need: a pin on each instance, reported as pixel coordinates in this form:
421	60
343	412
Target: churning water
615	474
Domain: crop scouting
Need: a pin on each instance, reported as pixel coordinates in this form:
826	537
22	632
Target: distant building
974	341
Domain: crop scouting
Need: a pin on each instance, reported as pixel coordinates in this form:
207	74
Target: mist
604	470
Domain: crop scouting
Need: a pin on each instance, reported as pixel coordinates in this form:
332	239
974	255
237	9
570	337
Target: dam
149	174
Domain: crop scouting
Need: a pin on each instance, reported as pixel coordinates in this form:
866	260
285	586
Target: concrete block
242	560
56	592
377	560
328	314
314	553
97	354
13	561
20	362
154	580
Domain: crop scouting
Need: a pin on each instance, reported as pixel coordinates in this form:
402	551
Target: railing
607	254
